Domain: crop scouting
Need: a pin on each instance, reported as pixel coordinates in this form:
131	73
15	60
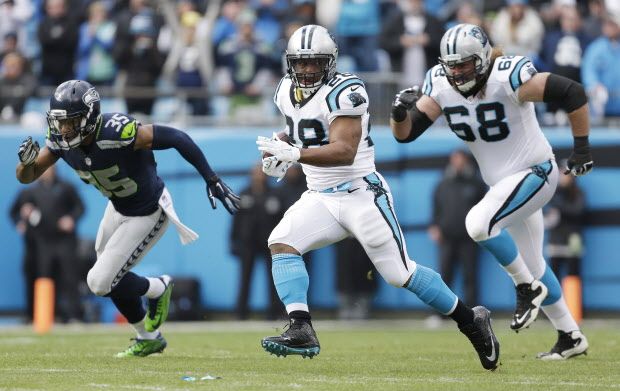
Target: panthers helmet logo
477	32
356	98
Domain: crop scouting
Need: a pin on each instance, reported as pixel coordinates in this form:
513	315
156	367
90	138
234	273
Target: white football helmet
311	42
461	44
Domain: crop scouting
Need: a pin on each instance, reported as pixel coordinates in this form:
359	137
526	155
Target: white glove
281	150
275	168
28	151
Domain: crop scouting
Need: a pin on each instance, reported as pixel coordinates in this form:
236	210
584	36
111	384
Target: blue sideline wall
232	151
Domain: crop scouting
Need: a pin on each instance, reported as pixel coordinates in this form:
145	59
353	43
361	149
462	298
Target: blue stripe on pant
525	190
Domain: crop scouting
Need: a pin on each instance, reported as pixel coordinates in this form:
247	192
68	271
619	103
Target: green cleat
144	347
158	308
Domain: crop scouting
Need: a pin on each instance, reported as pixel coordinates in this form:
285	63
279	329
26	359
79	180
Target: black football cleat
481	335
299	338
529	300
568	345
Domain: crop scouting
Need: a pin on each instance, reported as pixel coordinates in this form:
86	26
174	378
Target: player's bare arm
144	137
412	114
548	87
28	171
345	133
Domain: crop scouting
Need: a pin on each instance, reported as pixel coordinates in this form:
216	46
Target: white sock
518	271
141	331
560	316
156	288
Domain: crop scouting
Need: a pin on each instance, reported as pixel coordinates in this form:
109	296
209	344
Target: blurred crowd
223	58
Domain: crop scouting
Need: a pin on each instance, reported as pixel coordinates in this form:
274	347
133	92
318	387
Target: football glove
580	161
404	101
28	151
275	168
282	150
216	188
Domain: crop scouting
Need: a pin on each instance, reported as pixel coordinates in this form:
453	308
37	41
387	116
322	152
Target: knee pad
477	227
97	284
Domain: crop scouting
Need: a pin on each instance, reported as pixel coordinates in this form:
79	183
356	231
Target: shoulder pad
117	131
346	87
434	80
515	70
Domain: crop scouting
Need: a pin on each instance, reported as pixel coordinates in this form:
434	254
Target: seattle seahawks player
327	117
112	152
487	100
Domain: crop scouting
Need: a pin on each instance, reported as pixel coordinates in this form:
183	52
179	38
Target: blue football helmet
74	113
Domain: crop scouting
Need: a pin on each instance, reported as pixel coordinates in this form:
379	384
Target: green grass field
375	355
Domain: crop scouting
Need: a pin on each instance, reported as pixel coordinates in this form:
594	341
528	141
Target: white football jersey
308	120
502	133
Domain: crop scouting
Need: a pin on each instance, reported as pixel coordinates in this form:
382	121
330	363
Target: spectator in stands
225	26
14	18
58	36
188	70
260	210
268	25
459	190
592	24
599	71
247	69
357	29
518	29
137	54
53	209
411	37
95	62
17	84
303	11
9	44
563	49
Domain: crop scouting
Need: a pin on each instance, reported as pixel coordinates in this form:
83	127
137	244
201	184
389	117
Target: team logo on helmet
90	96
477	32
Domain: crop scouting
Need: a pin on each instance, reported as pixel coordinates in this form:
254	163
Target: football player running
487	100
327	118
113	152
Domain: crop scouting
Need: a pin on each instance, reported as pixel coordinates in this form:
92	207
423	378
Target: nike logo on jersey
352	190
524	317
354	88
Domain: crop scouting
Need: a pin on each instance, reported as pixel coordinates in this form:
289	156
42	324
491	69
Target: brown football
282	136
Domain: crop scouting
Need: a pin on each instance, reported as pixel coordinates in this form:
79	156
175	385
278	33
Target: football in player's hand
282	136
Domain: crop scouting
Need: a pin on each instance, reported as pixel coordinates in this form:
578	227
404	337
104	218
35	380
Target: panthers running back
113	152
326	114
486	99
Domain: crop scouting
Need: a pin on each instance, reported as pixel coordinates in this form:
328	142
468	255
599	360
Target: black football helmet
74	113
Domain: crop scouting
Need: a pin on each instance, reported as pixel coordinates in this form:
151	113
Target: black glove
404	101
216	188
580	160
28	151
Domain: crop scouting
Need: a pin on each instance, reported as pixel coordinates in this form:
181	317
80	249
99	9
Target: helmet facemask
309	82
71	129
465	81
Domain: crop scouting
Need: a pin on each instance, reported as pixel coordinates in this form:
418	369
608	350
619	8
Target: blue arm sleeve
165	137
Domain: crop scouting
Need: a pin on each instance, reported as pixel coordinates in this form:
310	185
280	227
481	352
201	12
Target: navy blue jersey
126	176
